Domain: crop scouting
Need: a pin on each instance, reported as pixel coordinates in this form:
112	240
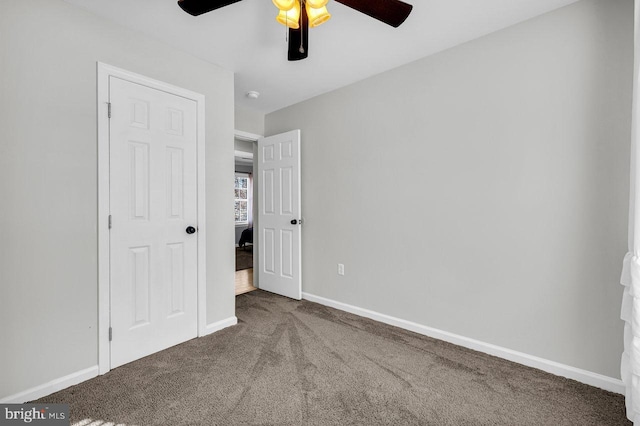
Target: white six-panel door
153	200
279	214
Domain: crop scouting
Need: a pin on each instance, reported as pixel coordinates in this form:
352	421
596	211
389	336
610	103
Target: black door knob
294	222
191	230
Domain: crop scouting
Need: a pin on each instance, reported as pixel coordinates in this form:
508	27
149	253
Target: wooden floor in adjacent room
244	281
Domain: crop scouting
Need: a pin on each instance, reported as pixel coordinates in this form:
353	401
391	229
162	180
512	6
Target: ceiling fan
299	15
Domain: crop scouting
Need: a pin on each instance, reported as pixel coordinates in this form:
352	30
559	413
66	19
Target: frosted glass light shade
290	18
317	4
285	4
317	16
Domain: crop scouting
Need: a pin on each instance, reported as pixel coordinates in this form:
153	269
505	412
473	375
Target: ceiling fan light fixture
317	16
290	18
285	4
317	4
300	15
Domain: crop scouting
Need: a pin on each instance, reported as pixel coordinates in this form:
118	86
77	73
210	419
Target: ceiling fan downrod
302	6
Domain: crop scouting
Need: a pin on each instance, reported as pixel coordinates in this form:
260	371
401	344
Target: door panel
140	285
279	204
175	275
175	183
153	200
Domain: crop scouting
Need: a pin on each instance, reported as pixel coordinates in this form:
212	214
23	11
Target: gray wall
48	184
483	190
245	146
243	168
249	120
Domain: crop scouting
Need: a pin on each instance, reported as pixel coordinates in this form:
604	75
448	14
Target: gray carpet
300	363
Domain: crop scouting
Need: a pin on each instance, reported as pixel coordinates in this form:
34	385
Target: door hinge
110	334
110	223
109	109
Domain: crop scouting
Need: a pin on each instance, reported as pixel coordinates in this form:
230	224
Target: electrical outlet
340	269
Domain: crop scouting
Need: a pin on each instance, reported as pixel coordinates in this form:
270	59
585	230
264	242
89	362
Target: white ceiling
245	38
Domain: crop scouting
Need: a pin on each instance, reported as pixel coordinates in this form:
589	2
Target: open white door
279	216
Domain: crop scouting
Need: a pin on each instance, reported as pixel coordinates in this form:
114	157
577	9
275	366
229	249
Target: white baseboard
52	386
219	325
577	374
88	373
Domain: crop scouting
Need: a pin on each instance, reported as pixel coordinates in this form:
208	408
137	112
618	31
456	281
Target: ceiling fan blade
198	7
392	12
299	39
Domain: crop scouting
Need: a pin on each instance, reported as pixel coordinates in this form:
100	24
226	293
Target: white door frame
246	136
104	304
252	137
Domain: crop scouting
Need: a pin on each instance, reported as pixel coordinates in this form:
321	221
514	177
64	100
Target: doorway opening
245	208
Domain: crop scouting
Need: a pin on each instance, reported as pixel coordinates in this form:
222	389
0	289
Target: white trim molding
105	71
563	370
52	386
246	136
219	325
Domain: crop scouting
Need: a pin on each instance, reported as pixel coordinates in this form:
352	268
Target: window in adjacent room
241	198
